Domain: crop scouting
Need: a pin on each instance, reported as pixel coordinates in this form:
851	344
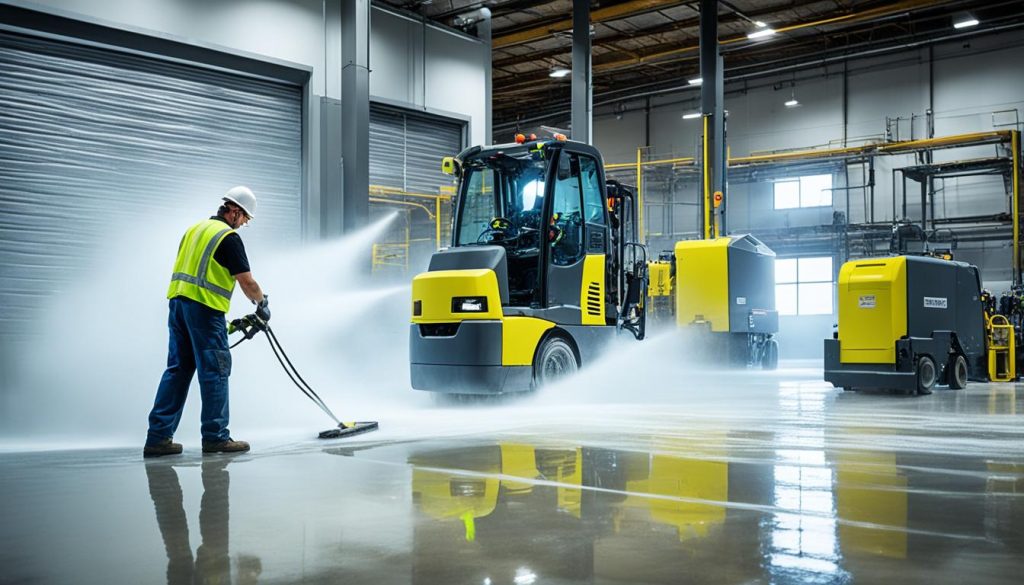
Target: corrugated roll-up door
429	141
387	148
406	149
91	139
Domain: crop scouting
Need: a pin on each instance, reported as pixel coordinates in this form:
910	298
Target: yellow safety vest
197	275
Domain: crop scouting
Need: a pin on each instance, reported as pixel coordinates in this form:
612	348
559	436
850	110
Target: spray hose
250	326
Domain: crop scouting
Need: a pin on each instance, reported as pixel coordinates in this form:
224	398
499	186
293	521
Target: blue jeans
199	337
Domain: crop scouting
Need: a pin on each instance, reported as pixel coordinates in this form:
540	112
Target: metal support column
582	90
355	112
712	99
1015	203
326	188
483	32
924	204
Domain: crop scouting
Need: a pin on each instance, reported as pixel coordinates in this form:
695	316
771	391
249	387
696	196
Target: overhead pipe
816	63
614	12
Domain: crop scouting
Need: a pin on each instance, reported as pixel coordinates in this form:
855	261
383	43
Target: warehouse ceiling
644	47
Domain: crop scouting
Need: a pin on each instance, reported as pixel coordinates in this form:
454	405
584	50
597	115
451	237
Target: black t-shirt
231	252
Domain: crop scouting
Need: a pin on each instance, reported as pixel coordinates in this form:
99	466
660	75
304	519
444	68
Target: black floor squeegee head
347	429
250	326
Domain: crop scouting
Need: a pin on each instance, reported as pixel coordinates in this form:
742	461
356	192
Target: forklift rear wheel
957	373
770	357
555	360
926	375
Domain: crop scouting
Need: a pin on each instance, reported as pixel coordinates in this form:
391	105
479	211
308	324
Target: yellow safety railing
390	255
1002	366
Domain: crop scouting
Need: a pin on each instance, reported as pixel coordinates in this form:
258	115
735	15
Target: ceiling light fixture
760	34
792	101
964	20
759	24
691	115
559	72
695	81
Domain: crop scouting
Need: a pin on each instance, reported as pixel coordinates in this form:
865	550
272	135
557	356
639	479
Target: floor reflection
501	513
212	561
802	534
828	504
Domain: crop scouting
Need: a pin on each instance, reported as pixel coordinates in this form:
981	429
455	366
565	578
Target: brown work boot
164	447
228	446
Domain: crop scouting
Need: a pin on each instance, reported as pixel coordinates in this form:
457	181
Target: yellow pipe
944	140
384	191
667	161
1015	145
614	12
437	221
891	148
707	181
797	154
845	18
719	210
640	196
399	202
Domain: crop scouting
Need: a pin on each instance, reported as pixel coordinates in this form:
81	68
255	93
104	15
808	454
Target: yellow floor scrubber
907	323
721	293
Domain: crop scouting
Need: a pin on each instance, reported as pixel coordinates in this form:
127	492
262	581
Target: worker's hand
263	309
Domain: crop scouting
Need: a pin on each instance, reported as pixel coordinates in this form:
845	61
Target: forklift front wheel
555	360
926	375
957	373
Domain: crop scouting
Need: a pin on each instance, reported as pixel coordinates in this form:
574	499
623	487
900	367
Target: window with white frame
803	286
809	191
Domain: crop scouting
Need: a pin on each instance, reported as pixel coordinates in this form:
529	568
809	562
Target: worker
211	258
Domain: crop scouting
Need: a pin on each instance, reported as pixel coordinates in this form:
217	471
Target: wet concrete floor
788	481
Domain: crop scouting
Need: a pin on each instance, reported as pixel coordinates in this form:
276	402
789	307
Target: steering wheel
499	226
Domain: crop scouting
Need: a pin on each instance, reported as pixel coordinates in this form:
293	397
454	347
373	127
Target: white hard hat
242	197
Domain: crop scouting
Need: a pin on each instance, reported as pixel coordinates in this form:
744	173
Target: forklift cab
544	204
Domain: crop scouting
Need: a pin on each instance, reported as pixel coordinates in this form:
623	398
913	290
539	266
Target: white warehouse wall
428	68
965	80
971	80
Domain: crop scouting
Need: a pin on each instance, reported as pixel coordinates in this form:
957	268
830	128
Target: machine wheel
555	360
770	355
926	375
957	373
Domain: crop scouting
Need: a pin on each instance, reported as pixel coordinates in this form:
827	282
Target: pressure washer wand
250	326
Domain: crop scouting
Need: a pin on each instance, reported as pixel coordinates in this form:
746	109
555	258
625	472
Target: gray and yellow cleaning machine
724	292
907	323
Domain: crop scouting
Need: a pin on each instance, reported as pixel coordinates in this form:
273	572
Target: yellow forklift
545	267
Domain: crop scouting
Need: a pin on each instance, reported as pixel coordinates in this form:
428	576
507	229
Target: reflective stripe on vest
204	263
197	275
